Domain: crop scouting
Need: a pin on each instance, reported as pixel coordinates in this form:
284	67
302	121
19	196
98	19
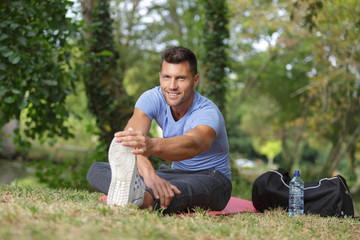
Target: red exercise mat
103	199
235	205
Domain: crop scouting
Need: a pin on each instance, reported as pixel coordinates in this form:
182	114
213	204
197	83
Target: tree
174	23
138	65
271	149
214	53
142	40
108	100
334	95
265	78
312	75
36	74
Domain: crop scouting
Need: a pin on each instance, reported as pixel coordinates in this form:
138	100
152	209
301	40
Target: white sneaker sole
123	164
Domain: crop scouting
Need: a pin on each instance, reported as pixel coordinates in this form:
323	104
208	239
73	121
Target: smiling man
194	140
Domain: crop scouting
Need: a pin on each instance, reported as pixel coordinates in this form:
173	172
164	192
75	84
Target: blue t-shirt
201	112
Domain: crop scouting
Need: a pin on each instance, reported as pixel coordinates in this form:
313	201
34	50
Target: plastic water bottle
296	195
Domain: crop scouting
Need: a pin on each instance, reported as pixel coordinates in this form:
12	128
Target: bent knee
96	169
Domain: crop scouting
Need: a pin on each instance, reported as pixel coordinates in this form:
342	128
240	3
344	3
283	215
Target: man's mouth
173	95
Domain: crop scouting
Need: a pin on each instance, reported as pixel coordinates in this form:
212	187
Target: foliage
241	186
174	23
142	30
334	95
84	122
69	173
65	164
214	52
62	166
311	12
270	149
266	78
36	74
42	213
300	88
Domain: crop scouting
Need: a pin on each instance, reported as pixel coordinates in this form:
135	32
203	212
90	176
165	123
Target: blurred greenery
292	78
36	75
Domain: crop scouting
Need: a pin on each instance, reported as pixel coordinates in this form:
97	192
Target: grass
42	213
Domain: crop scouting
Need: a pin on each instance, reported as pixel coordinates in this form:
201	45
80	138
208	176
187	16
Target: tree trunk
343	152
337	153
355	188
108	100
287	160
214	57
293	156
250	84
352	161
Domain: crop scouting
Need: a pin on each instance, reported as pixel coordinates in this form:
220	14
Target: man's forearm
176	148
145	167
189	145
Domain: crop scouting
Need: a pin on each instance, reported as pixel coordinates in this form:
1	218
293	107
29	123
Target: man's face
177	84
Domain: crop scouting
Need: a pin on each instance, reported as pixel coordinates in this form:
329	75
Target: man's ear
196	80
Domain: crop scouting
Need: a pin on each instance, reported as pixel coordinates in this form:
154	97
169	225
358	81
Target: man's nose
173	84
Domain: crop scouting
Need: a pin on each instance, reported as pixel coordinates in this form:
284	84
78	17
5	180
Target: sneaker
126	186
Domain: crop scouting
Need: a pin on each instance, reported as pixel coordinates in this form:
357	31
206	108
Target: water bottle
296	195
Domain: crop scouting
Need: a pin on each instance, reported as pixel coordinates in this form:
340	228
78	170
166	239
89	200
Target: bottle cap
296	173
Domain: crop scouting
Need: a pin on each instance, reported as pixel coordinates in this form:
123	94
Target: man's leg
207	189
99	176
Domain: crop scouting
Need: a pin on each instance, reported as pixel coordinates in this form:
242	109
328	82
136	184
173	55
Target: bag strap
343	181
283	174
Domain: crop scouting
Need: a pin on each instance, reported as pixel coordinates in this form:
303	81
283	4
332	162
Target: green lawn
43	213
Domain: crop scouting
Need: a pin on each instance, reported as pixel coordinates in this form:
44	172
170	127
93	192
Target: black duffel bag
327	197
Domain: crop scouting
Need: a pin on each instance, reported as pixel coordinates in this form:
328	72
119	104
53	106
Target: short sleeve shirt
202	112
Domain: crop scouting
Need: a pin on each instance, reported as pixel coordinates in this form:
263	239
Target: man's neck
180	111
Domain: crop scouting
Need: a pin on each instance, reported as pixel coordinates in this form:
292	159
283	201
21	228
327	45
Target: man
194	140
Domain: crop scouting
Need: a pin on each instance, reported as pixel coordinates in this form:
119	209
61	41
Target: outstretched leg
126	186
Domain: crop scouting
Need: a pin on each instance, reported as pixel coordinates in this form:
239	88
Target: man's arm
139	121
192	143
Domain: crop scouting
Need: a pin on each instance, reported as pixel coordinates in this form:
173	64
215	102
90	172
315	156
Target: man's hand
162	189
136	139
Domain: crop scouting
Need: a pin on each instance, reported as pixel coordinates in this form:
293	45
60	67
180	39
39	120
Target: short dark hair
179	55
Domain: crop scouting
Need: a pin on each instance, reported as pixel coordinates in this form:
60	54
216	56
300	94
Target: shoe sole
122	163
